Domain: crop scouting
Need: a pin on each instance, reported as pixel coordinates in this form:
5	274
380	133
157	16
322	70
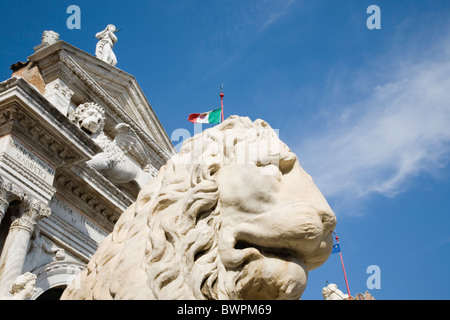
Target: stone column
18	239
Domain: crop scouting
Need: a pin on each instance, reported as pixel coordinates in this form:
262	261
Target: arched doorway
53	278
52	294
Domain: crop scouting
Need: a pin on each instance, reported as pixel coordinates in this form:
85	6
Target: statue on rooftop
49	37
112	162
331	292
104	48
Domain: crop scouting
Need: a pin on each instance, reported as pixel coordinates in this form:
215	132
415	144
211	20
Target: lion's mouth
86	130
300	232
268	273
280	253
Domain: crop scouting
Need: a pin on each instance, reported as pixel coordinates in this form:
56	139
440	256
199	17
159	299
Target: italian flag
206	117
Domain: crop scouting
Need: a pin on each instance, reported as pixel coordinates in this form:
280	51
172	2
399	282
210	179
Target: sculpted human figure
40	251
104	48
231	216
331	292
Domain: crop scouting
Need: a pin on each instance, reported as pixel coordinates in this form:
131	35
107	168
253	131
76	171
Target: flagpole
343	268
221	99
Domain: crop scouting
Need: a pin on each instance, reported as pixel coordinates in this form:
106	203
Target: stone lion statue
112	162
90	117
231	216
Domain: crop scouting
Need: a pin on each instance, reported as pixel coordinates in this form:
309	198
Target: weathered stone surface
113	162
331	292
232	216
22	288
83	173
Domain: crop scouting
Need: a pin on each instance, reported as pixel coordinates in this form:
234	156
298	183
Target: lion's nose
328	219
89	124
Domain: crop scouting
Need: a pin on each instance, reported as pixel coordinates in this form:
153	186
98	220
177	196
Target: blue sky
366	111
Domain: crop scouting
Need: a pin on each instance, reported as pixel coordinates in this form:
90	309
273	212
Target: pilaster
17	242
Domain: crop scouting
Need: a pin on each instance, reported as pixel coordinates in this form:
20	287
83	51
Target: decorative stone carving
8	192
365	296
112	162
331	292
4	203
104	48
232	216
91	203
32	210
162	155
32	130
90	118
42	251
48	38
59	94
22	288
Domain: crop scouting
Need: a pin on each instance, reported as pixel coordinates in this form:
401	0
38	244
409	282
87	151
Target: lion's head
90	117
232	216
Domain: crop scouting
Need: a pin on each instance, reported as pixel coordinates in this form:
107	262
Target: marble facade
55	208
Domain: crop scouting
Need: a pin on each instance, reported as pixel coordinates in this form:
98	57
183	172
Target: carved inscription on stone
77	220
28	160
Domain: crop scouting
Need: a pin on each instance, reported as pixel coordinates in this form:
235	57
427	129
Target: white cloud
277	13
401	129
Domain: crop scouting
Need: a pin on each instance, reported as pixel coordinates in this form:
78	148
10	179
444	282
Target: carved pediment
31	118
115	90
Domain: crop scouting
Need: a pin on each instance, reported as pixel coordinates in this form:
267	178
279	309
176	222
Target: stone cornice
59	267
96	196
99	182
115	75
26	113
68	237
109	77
117	110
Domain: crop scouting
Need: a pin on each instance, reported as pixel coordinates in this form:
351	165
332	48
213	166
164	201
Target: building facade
78	139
